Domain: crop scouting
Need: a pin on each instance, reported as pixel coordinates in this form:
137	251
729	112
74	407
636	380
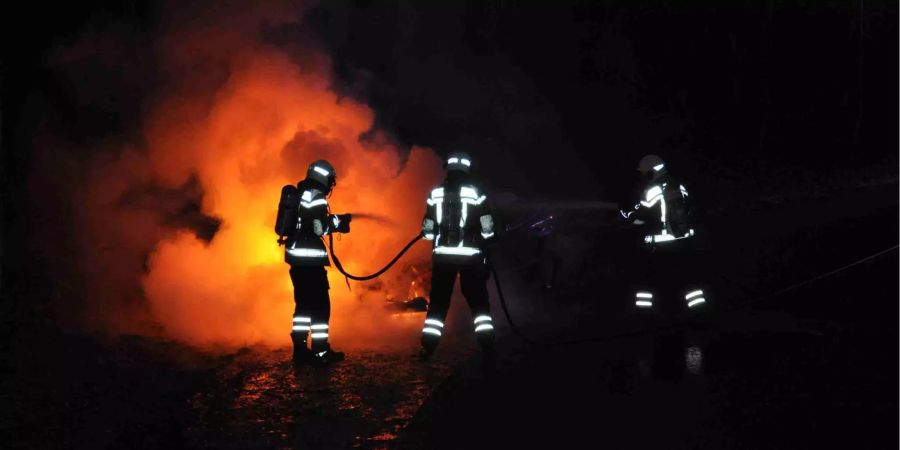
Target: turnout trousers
473	283
667	277
312	307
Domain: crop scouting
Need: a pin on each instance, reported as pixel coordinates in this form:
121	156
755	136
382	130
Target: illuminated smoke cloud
187	214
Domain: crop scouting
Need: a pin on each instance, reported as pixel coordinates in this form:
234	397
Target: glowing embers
319	331
307	252
433	326
694	298
301	324
483	323
643	299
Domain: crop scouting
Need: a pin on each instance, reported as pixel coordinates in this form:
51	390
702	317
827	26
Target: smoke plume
173	227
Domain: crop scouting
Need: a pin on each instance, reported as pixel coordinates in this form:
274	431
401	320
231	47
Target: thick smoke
175	225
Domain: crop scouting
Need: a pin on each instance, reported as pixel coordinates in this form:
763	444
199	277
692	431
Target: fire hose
530	341
340	267
512	325
682	323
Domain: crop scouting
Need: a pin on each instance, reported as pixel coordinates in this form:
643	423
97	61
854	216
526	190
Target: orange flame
260	130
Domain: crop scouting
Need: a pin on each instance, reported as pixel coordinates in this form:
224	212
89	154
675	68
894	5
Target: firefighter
303	219
667	247
460	224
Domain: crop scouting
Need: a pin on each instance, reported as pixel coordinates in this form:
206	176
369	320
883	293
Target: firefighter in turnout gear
460	224
303	219
663	215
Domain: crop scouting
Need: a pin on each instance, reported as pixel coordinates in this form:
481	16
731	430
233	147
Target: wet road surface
261	400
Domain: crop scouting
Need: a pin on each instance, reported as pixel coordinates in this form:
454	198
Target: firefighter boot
429	344
488	352
327	355
301	353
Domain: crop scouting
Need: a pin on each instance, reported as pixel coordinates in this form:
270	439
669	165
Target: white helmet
651	163
460	161
323	172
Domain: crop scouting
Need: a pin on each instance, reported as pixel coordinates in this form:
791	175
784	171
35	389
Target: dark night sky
556	101
749	87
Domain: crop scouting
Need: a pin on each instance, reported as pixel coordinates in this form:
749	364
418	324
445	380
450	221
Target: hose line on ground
682	323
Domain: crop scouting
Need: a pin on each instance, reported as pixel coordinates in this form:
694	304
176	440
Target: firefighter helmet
323	172
460	161
651	163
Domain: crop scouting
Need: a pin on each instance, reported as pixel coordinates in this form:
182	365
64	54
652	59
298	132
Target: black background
747	99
